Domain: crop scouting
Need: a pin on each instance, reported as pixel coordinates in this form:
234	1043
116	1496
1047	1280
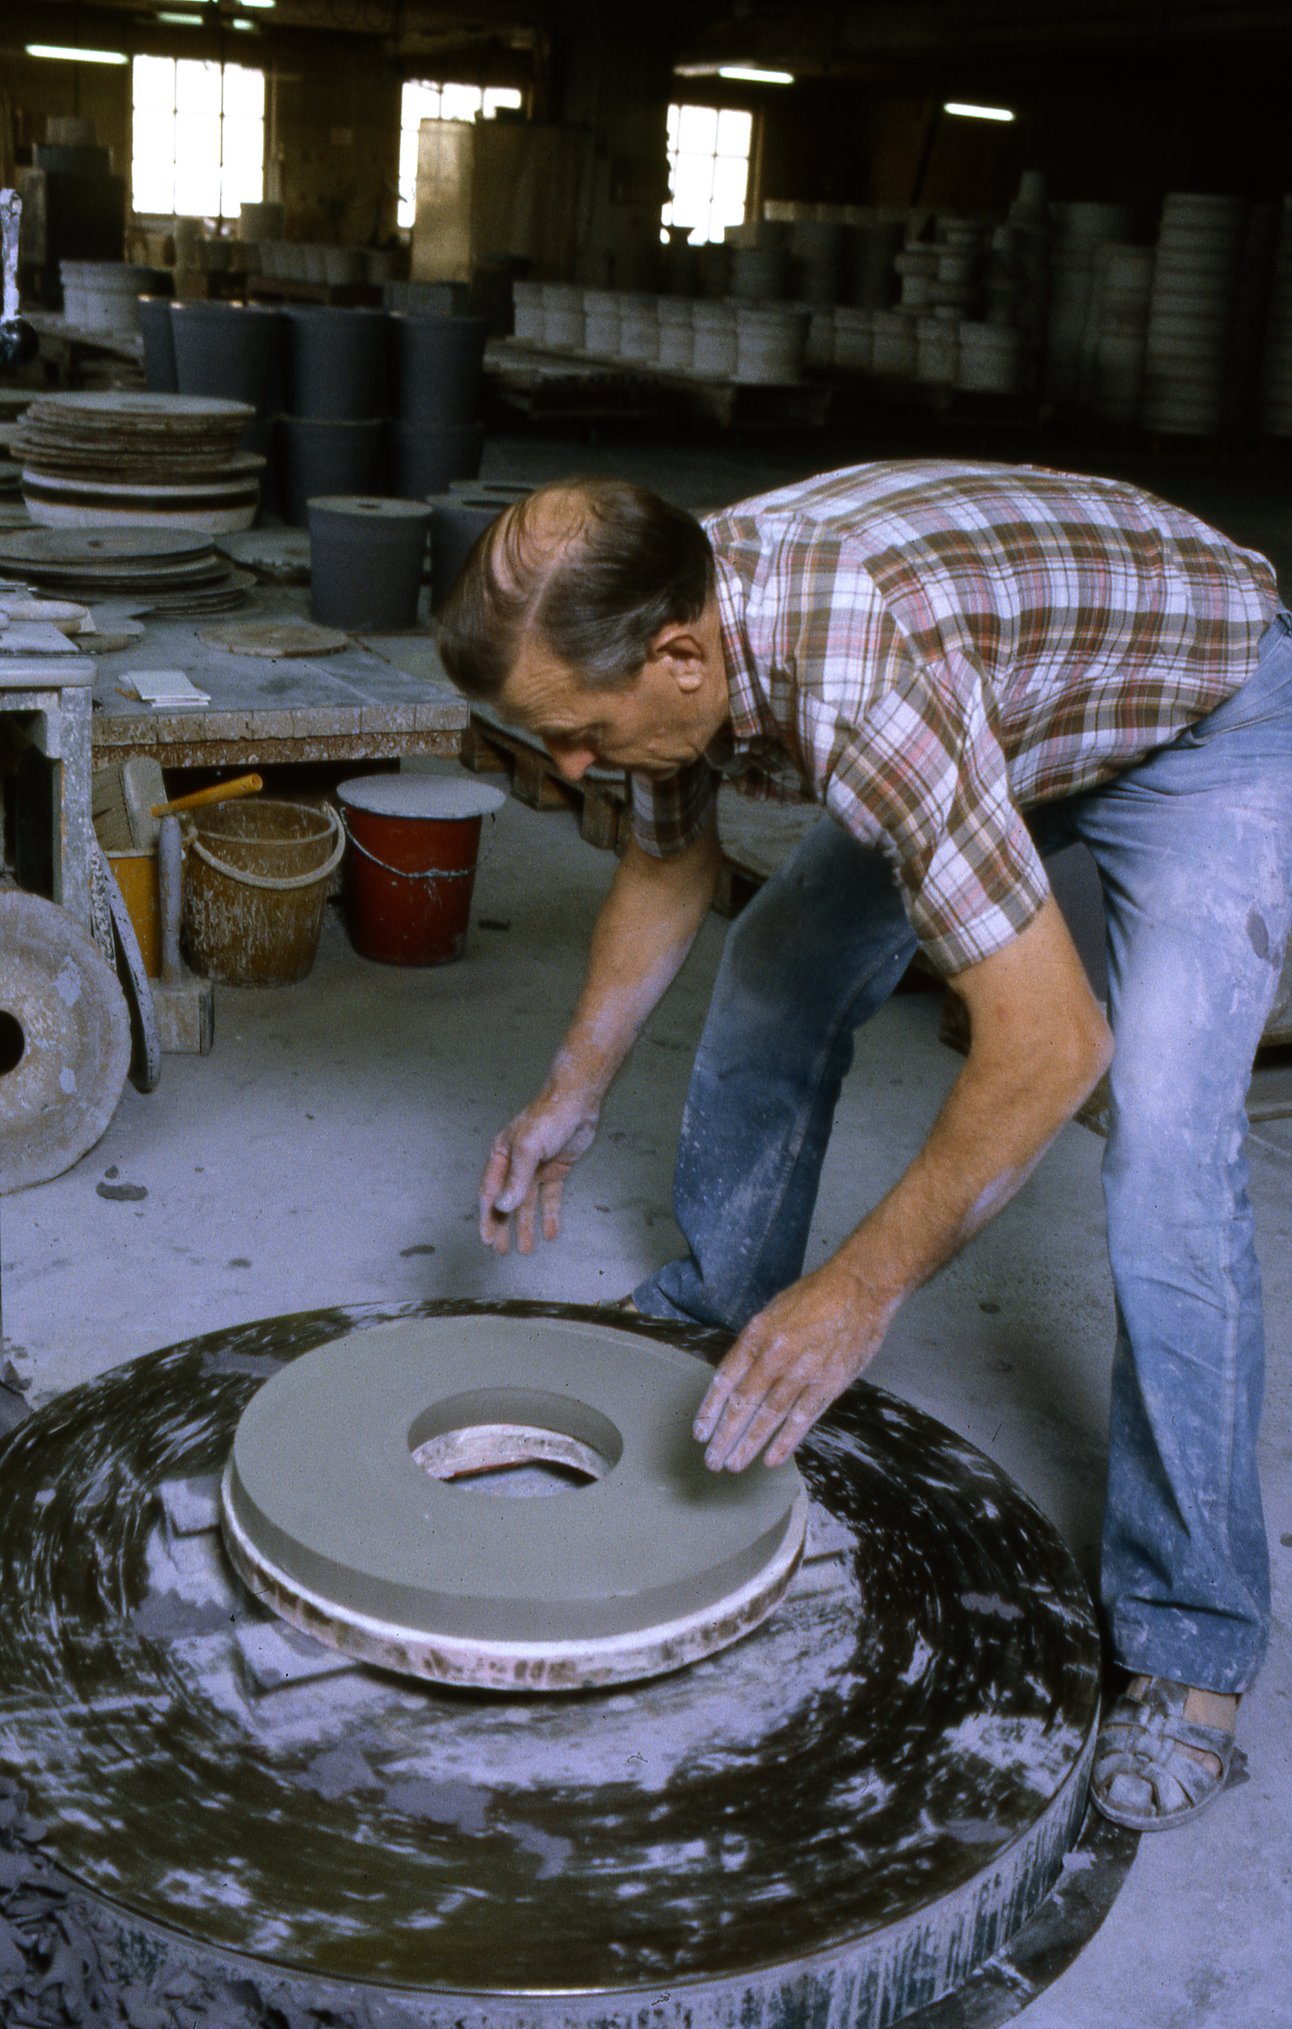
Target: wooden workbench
378	699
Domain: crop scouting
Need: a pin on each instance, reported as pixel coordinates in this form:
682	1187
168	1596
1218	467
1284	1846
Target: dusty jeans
1194	851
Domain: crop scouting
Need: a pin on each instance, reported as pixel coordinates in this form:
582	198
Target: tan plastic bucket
255	887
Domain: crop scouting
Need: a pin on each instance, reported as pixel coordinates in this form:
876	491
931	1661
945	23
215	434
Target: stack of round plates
147	570
150	460
1195	278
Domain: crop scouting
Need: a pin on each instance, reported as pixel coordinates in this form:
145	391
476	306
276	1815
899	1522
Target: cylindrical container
438	364
328	458
159	346
255	886
714	351
937	351
602	322
854	339
410	870
639	327
991	359
457	521
343	267
527	312
262	221
228	349
366	559
426	458
337	363
564	320
770	343
894	343
676	334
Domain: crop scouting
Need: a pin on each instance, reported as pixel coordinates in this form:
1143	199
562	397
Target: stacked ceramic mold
336	267
435	434
102	296
1111	370
1195	277
336	380
94	460
710	339
142	570
1080	230
229	352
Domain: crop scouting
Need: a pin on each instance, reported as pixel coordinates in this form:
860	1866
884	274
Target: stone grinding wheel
352	1506
869	1802
64	1041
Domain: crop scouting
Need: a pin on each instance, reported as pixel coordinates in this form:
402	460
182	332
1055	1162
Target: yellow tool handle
241	785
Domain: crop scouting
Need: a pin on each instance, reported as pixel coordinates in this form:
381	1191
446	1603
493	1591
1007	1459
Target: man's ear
681	650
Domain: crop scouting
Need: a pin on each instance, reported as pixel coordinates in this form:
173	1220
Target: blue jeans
1194	852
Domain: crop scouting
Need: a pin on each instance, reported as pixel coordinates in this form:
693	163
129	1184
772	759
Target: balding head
592	567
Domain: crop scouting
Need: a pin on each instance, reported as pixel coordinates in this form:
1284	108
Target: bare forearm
1039	1044
647	925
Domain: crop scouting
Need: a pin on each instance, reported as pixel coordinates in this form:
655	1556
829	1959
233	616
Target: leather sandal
1142	1777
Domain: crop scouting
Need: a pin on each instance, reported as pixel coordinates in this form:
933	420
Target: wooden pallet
555	385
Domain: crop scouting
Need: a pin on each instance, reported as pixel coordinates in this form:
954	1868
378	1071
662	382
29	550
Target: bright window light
199	137
53	49
423	100
708	170
961	111
744	74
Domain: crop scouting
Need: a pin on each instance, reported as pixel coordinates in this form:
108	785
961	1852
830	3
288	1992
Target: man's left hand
787	1367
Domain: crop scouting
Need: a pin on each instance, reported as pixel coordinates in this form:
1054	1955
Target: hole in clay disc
13	1042
518	1459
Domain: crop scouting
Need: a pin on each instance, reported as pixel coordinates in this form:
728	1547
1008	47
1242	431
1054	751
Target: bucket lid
443	796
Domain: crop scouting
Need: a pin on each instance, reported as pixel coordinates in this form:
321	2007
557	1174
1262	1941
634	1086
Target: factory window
425	101
708	170
199	137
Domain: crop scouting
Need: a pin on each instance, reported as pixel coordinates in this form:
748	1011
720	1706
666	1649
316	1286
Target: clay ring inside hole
352	1504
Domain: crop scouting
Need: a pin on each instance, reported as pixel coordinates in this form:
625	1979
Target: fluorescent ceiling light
259	3
76	55
250	26
962	111
747	74
182	21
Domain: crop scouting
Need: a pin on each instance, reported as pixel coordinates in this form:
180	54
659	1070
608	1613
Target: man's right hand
527	1167
644	931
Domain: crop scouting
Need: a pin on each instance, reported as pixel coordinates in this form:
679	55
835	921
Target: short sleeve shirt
928	649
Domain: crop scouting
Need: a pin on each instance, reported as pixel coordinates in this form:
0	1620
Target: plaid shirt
929	648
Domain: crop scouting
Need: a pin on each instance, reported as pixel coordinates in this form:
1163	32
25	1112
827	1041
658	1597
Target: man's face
654	725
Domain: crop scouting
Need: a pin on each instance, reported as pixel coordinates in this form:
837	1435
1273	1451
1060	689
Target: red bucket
414	841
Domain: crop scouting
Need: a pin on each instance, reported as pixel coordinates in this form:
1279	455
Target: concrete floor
328	1151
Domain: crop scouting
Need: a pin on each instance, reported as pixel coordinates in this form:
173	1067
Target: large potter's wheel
837	1820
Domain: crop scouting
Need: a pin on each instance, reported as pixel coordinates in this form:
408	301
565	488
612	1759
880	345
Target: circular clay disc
275	638
64	1041
359	1503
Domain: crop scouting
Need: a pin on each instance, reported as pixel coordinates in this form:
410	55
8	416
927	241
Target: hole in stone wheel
516	1459
13	1042
516	1441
